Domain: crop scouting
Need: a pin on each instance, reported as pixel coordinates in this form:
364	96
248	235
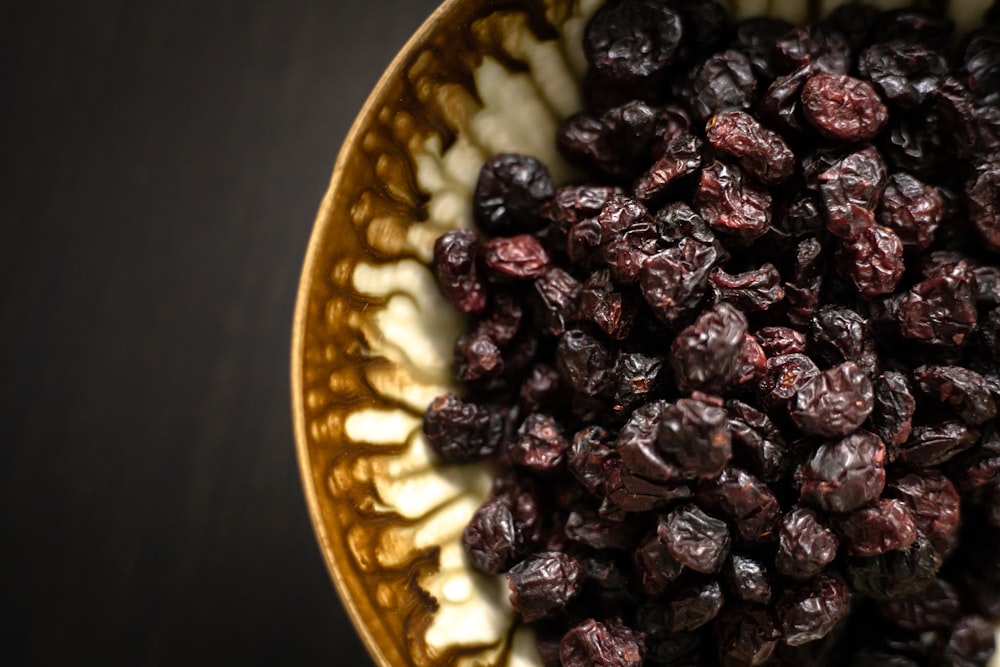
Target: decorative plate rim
306	281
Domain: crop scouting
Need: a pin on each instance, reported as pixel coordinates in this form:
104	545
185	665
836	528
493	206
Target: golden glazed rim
332	554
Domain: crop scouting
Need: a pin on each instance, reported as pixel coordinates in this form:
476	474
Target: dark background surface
163	163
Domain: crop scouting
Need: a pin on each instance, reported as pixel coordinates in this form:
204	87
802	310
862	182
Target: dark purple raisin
724	81
455	254
750	363
540	389
557	300
540	445
850	190
784	376
586	457
596	532
971	642
688	608
892	415
704	355
681	158
936	608
519	257
872	261
460	432
543	584
839	334
853	21
656	568
674	280
911	209
476	356
780	107
572	204
637	376
695	539
780	340
906	74
758	289
745	500
493	540
934	444
745	636
760	152
731	204
758	440
981	62
843	475
941	310
883	526
810	612
805	546
964	390
934	503
510	193
843	108
914	24
694	432
983	192
596	644
584	363
631	41
834	403
821	50
755	37
748	579
637	444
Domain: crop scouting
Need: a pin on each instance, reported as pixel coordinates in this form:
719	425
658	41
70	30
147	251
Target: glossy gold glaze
371	339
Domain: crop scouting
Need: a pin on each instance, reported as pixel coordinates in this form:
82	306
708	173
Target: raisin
455	254
784	376
748	578
936	608
805	546
682	158
853	21
752	290
493	540
695	539
674	280
476	356
657	569
510	193
693	431
745	500
758	440
941	310
780	106
843	108
586	457
460	431
572	204
983	192
970	642
843	475
810	612
850	190
543	584
688	608
596	644
906	74
839	334
777	341
636	376
934	444
597	532
873	261
911	209
883	526
557	298
981	62
892	415
731	204
540	389
751	362
636	444
820	50
964	390
746	636
541	444
632	41
760	152
934	503
519	257
724	81
584	364
704	355
913	24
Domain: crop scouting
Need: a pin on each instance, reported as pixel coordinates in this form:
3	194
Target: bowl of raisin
664	332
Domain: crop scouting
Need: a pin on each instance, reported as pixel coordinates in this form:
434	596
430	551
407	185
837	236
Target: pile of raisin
740	383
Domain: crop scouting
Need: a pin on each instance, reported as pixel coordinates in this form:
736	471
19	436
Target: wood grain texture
162	165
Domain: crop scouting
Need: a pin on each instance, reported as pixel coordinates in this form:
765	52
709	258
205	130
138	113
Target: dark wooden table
163	162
